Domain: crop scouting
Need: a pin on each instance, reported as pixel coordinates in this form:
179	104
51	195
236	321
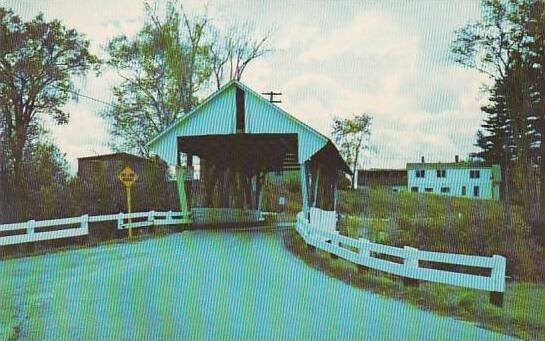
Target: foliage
49	186
508	45
351	134
162	68
444	224
165	65
37	60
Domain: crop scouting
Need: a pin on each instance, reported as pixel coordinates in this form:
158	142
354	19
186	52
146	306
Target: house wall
455	180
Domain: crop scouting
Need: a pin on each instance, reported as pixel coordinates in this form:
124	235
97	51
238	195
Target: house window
464	190
428	190
445	190
474	174
441	173
420	173
414	189
475	191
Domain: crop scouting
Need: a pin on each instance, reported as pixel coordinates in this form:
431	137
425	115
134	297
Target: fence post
120	221
84	222
411	263
306	232
365	254
151	216
169	218
497	277
30	227
334	243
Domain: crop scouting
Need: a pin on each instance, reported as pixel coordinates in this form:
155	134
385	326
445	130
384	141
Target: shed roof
111	156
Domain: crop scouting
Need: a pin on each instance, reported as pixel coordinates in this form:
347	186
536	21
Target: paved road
204	285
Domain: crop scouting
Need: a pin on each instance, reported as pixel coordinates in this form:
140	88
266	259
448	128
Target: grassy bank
523	313
445	224
434	223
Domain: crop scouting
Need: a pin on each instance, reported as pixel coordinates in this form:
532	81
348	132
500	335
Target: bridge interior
233	167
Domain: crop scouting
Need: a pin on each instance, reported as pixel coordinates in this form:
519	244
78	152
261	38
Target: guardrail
79	226
364	253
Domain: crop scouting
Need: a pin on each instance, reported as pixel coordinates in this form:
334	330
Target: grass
523	313
445	224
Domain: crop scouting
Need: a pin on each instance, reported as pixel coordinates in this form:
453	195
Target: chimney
456	158
423	161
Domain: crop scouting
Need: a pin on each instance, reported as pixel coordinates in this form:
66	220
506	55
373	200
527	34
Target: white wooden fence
79	226
362	252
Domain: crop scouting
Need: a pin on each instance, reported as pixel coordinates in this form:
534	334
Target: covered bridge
239	136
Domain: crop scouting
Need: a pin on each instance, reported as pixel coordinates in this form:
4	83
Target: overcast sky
386	58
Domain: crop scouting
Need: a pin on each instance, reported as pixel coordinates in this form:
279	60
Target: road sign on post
128	177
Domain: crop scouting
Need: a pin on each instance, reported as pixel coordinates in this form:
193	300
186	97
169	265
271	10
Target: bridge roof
217	115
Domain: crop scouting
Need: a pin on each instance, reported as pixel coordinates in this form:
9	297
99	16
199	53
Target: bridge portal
238	137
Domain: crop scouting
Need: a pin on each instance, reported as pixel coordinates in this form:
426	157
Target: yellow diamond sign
127	176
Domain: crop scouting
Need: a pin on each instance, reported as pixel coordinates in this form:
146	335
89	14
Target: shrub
446	224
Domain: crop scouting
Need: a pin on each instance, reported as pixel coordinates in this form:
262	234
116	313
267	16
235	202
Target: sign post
128	177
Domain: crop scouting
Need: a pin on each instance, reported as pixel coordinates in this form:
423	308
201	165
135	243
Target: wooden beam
316	181
335	175
304	189
180	181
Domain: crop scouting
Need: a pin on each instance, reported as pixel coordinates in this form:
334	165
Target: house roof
382	170
450	165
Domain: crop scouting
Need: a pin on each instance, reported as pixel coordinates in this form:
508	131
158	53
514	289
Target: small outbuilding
104	193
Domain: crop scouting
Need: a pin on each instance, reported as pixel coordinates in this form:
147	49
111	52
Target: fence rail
363	252
79	226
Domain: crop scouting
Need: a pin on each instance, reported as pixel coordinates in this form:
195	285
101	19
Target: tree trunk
542	178
354	169
18	185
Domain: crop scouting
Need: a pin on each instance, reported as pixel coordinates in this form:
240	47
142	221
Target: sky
389	59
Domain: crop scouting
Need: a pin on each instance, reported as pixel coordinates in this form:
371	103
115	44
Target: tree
231	53
536	48
488	44
165	65
37	62
495	140
161	70
507	44
352	134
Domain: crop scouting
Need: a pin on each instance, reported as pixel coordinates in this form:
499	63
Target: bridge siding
217	116
262	117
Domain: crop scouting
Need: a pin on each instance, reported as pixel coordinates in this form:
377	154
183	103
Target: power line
79	94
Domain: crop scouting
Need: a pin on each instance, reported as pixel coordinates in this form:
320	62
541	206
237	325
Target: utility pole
271	95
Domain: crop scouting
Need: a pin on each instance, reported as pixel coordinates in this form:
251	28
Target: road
202	285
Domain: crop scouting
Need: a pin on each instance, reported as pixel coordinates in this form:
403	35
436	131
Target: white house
476	180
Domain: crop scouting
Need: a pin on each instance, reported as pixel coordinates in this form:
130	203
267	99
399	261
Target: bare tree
232	52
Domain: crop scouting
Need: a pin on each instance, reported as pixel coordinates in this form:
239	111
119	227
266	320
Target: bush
447	224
